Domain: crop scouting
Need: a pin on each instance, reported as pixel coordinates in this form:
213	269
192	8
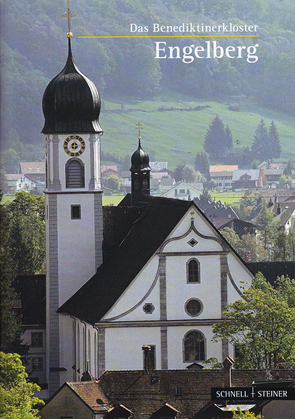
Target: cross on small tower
139	127
69	15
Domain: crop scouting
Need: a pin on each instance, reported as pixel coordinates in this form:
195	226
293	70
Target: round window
193	307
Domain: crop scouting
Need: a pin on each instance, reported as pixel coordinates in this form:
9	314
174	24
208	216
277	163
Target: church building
129	287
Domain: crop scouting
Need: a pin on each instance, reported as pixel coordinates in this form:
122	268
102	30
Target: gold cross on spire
139	127
69	15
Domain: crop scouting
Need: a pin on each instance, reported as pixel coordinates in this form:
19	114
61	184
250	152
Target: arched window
193	271
194	346
74	174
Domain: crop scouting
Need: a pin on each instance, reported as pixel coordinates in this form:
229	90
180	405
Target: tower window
194	346
193	271
74	174
76	212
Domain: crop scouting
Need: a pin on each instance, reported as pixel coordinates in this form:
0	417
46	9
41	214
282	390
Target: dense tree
22	251
202	163
10	322
114	183
16	394
26	244
228	137
266	144
283	246
250	247
274	141
261	324
10	161
286	182
247	208
189	174
177	174
260	145
264	224
215	142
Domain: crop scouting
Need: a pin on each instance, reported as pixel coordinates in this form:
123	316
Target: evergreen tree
263	221
202	163
274	141
260	145
228	137
215	140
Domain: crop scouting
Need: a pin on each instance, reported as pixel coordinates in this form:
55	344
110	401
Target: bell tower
73	195
140	172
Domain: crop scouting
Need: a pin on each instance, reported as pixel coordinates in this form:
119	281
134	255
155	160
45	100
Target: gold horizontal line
169	36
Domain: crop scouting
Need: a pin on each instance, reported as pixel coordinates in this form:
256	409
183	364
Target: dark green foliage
260	145
202	163
27	233
274	141
22	252
10	161
228	137
263	222
266	144
10	323
261	324
178	172
216	141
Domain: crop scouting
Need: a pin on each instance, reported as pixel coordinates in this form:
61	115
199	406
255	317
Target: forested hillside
34	50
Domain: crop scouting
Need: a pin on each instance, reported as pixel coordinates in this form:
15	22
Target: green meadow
176	133
226	197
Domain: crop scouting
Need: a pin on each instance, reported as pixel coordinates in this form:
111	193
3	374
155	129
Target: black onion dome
140	160
71	102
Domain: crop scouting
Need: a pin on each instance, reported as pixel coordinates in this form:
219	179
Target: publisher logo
252	393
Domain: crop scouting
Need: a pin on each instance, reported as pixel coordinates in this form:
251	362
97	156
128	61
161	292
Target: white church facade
137	284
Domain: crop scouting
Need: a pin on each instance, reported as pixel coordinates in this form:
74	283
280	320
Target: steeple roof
140	160
71	102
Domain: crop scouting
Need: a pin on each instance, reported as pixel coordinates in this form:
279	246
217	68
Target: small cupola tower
73	196
140	173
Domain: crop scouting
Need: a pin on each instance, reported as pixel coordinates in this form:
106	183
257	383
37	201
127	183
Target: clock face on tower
74	145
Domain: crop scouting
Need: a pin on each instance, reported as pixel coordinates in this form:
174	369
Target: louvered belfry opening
75	174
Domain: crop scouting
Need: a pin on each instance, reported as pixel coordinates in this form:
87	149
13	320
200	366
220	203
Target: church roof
132	235
272	270
131	239
71	102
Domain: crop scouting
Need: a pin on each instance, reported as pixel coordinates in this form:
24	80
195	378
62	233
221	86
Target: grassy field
111	199
226	197
176	135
